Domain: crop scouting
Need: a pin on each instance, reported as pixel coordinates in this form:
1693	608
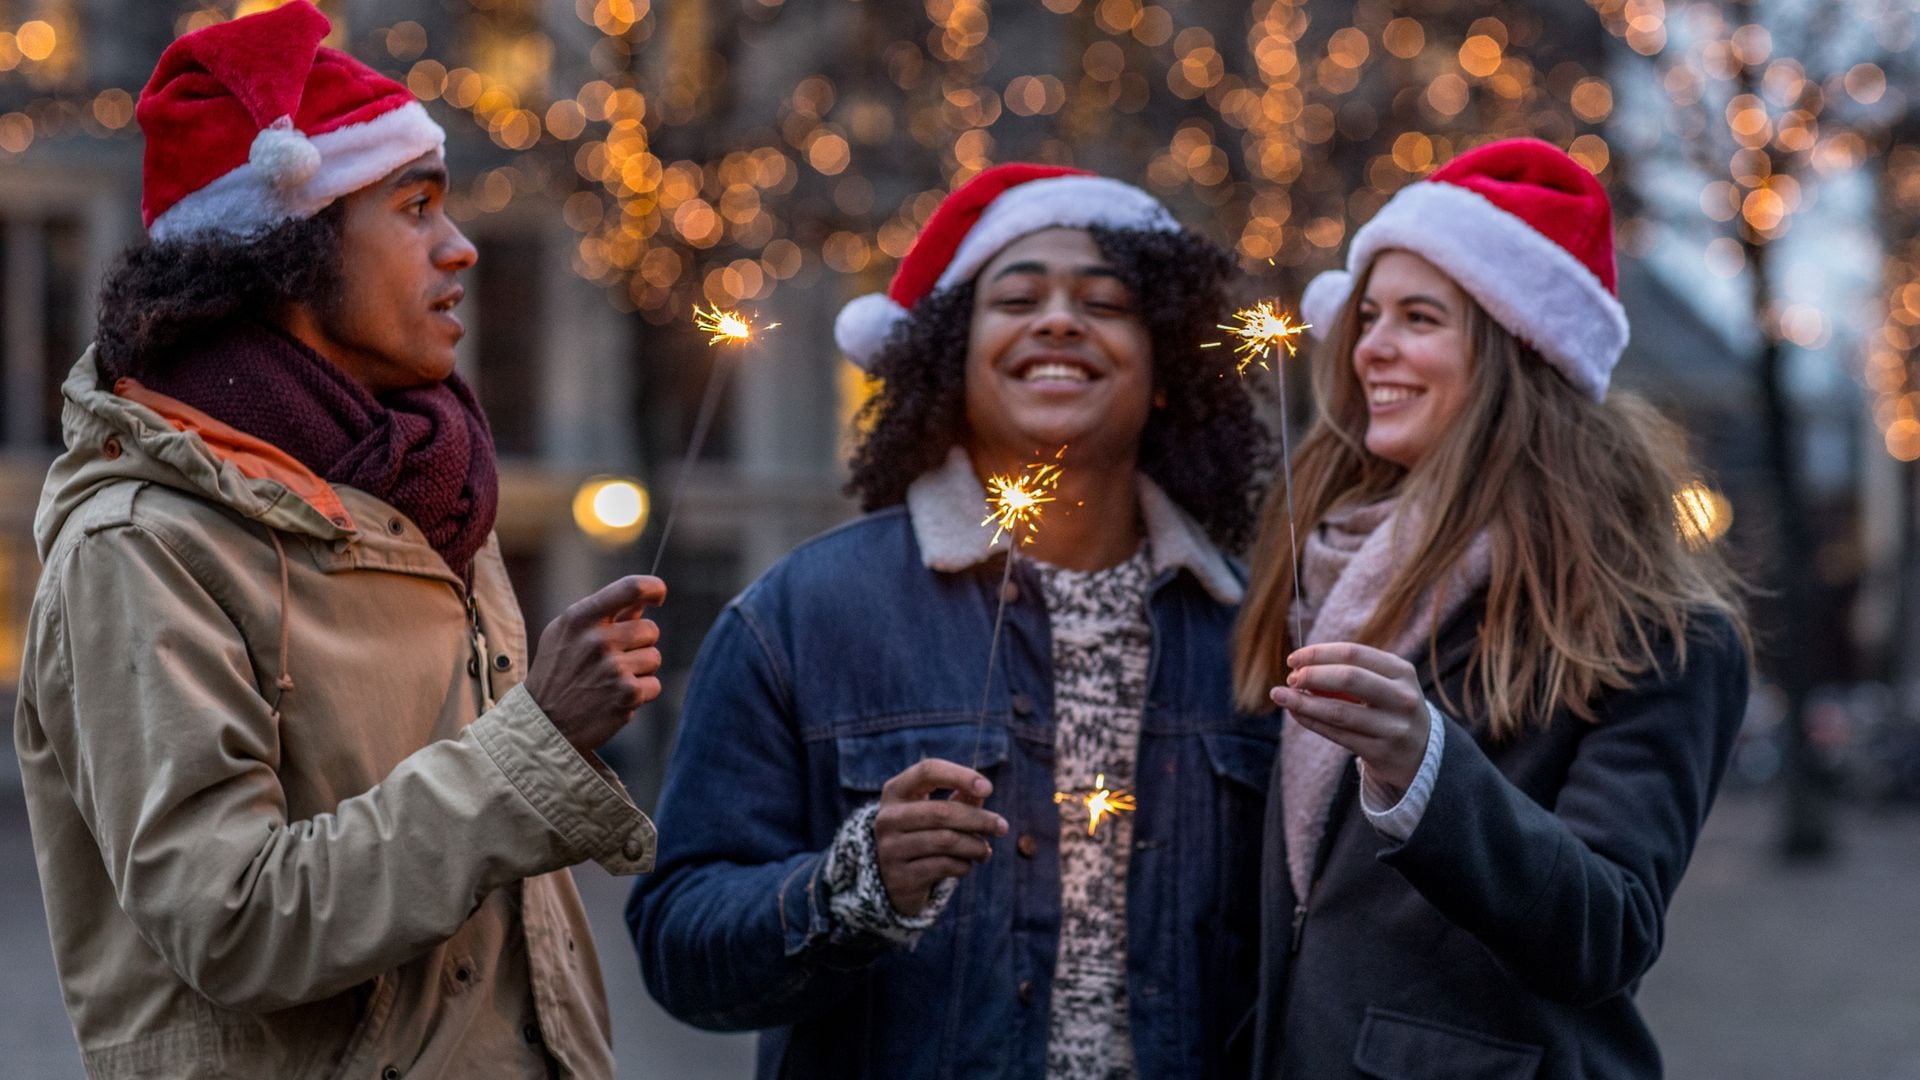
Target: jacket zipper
1299	927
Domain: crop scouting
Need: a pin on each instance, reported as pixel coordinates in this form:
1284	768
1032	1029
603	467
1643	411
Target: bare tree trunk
1806	826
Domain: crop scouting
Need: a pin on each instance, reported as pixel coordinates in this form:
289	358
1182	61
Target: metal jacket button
1022	705
502	662
473	666
634	850
111	448
1010	593
396	526
1026	845
1025	992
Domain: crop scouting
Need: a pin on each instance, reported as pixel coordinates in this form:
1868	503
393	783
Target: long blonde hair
1589	566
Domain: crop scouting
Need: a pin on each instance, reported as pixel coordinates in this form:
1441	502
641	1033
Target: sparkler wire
993	652
1293	539
709	405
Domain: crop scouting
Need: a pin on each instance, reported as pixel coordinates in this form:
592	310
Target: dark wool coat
1504	939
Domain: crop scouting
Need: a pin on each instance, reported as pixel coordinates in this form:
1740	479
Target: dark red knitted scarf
427	451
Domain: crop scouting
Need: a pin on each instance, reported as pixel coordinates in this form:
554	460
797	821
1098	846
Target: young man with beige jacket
300	808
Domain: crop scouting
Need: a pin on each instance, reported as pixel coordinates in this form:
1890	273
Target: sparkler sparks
1101	802
1015	501
1261	331
726	327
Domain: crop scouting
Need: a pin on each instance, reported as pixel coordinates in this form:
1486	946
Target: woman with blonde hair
1505	628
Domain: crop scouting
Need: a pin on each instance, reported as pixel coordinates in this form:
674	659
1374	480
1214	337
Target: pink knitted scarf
1348	561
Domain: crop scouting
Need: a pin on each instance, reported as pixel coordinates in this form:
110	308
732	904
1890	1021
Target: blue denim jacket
849	661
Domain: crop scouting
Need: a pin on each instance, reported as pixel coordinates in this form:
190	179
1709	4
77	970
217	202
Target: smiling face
1057	354
392	325
1413	357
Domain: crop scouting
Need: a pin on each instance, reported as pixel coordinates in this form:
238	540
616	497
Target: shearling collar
945	505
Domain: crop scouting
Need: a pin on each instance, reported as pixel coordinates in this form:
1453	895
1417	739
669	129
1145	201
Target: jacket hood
132	433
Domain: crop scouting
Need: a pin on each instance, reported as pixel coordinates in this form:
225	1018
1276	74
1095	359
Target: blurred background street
618	162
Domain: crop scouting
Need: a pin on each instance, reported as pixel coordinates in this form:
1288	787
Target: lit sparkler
1101	802
1261	331
1014	502
727	327
724	328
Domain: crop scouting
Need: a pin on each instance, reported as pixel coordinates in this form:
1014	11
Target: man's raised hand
597	661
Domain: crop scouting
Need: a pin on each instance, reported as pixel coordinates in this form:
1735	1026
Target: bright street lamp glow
611	509
619	505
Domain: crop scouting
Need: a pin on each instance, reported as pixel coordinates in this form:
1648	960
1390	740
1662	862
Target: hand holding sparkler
921	841
1367	700
598	662
724	328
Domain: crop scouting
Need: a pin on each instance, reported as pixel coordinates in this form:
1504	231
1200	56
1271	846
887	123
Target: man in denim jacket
854	858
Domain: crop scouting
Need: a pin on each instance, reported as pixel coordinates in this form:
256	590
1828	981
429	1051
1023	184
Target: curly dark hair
1205	447
160	297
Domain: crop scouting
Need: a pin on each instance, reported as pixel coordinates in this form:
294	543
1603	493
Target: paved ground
1770	973
1794	973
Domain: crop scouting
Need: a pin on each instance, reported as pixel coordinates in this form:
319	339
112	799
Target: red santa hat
971	226
1523	229
251	123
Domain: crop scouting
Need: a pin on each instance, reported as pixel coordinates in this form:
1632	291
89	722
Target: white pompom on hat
972	225
1523	229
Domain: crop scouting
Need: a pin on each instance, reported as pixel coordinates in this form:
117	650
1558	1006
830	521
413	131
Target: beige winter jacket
283	827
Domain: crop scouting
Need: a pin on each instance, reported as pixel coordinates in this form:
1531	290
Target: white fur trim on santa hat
863	326
246	202
1532	286
1058	202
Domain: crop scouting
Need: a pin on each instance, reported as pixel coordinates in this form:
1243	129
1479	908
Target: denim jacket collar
945	506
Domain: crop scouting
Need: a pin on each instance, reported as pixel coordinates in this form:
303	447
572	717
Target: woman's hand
1364	699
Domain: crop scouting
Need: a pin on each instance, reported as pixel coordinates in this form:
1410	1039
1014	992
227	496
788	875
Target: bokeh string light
676	204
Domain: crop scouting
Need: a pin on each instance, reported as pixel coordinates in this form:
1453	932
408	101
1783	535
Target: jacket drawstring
283	685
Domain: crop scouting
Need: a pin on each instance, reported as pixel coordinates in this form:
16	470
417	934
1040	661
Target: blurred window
42	278
505	312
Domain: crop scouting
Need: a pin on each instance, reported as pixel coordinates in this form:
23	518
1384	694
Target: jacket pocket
1396	1046
868	761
